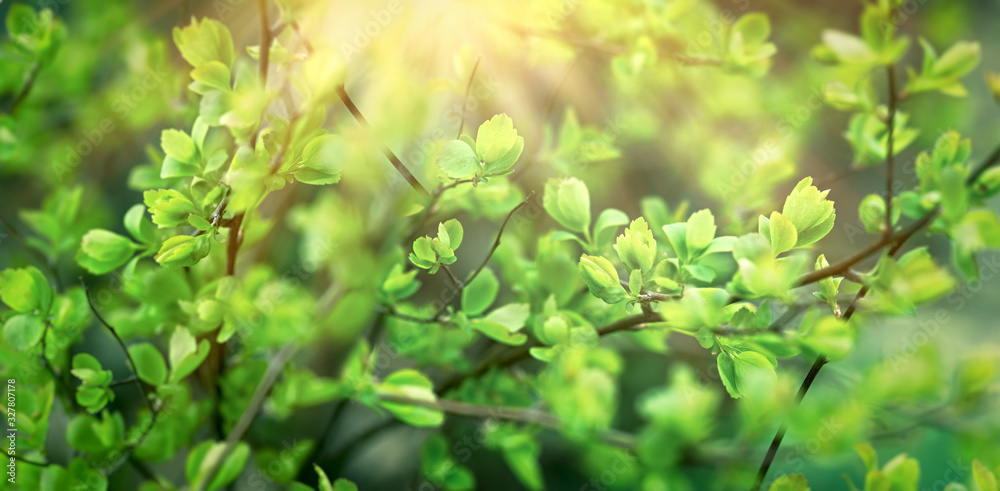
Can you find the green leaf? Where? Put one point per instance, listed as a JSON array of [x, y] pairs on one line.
[[149, 364], [506, 161], [607, 223], [868, 456], [700, 232], [982, 476], [498, 332], [779, 231], [178, 145], [790, 482], [214, 74], [496, 138], [183, 250], [23, 331], [205, 41], [959, 60], [636, 247], [830, 336], [848, 48], [521, 453], [413, 385], [25, 289], [601, 278], [169, 208], [512, 316], [871, 212], [102, 251], [568, 202], [321, 160], [185, 354], [753, 27], [479, 294], [206, 454], [810, 212], [138, 225], [452, 229], [727, 372]]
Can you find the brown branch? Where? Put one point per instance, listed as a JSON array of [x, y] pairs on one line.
[[265, 42]]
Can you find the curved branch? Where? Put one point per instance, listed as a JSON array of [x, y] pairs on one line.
[[246, 419], [505, 413], [523, 352]]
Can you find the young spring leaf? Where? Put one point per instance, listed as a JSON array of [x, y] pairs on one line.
[[23, 331], [480, 293], [412, 384], [183, 250], [810, 212], [25, 289], [203, 41], [496, 138], [568, 202], [102, 251], [457, 160], [149, 364], [601, 278]]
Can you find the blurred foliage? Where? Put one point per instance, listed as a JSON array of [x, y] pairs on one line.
[[500, 245]]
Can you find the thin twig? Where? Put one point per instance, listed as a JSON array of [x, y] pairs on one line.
[[246, 419], [398, 164], [28, 84], [465, 100], [429, 209], [128, 356], [505, 413], [265, 42], [891, 124], [486, 260], [523, 352]]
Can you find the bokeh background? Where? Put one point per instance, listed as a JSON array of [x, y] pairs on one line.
[[656, 127]]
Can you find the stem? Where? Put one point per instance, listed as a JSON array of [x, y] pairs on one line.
[[28, 84], [505, 413], [246, 419], [128, 356], [496, 243], [360, 118], [897, 241], [265, 42], [523, 352], [429, 209], [153, 409], [465, 100], [891, 69]]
